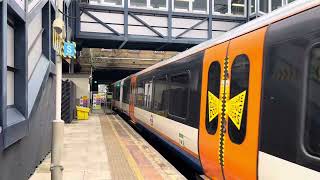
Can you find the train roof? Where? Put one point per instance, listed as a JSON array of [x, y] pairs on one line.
[[281, 13]]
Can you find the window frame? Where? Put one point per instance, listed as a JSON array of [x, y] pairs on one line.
[[255, 7], [271, 2], [102, 3], [10, 68], [258, 7], [283, 3], [305, 122], [172, 116], [148, 6], [190, 8], [229, 12], [14, 118]]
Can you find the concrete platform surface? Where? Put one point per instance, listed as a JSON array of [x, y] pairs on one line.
[[105, 147]]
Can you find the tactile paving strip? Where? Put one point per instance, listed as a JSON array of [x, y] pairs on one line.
[[119, 166], [149, 162]]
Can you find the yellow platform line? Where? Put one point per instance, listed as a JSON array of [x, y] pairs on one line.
[[132, 163]]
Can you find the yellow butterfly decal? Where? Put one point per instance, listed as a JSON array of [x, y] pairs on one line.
[[214, 106], [234, 107]]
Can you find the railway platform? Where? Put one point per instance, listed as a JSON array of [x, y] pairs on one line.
[[106, 147]]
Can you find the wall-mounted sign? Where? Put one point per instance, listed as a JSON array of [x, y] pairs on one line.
[[69, 49]]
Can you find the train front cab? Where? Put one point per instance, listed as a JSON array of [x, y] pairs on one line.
[[260, 103]]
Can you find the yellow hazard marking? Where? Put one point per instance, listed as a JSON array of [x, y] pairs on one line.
[[235, 108], [214, 106]]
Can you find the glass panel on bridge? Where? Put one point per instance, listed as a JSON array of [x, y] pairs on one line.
[[94, 1], [221, 6], [253, 7], [275, 4], [138, 3], [263, 6], [181, 5], [112, 2], [200, 5], [237, 7], [158, 4]]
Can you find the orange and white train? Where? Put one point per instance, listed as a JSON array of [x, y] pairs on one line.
[[245, 105]]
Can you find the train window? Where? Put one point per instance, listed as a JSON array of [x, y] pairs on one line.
[[147, 94], [160, 99], [126, 91], [113, 91], [179, 95], [213, 94], [139, 94], [237, 105], [313, 103], [117, 91]]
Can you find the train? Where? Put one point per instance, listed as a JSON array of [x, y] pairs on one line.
[[243, 106]]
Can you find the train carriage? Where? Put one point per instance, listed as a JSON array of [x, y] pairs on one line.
[[243, 106]]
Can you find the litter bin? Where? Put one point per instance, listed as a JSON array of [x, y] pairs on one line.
[[82, 113]]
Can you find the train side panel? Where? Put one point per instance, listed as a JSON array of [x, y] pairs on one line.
[[170, 130], [290, 123], [167, 102]]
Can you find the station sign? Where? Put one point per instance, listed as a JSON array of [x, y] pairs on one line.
[[69, 50]]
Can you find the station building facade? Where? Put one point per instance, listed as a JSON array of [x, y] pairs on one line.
[[27, 87]]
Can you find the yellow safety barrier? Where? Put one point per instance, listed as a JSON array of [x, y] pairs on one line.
[[82, 113]]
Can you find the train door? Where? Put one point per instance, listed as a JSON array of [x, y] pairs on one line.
[[229, 125], [132, 98], [210, 123], [243, 92]]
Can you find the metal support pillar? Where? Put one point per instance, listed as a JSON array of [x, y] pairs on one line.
[[210, 20], [57, 124], [170, 20]]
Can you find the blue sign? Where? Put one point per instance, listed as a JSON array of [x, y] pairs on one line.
[[69, 49]]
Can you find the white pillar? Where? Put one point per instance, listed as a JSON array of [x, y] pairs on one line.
[[57, 124]]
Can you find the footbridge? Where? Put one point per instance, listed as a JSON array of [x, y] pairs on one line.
[[159, 25]]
